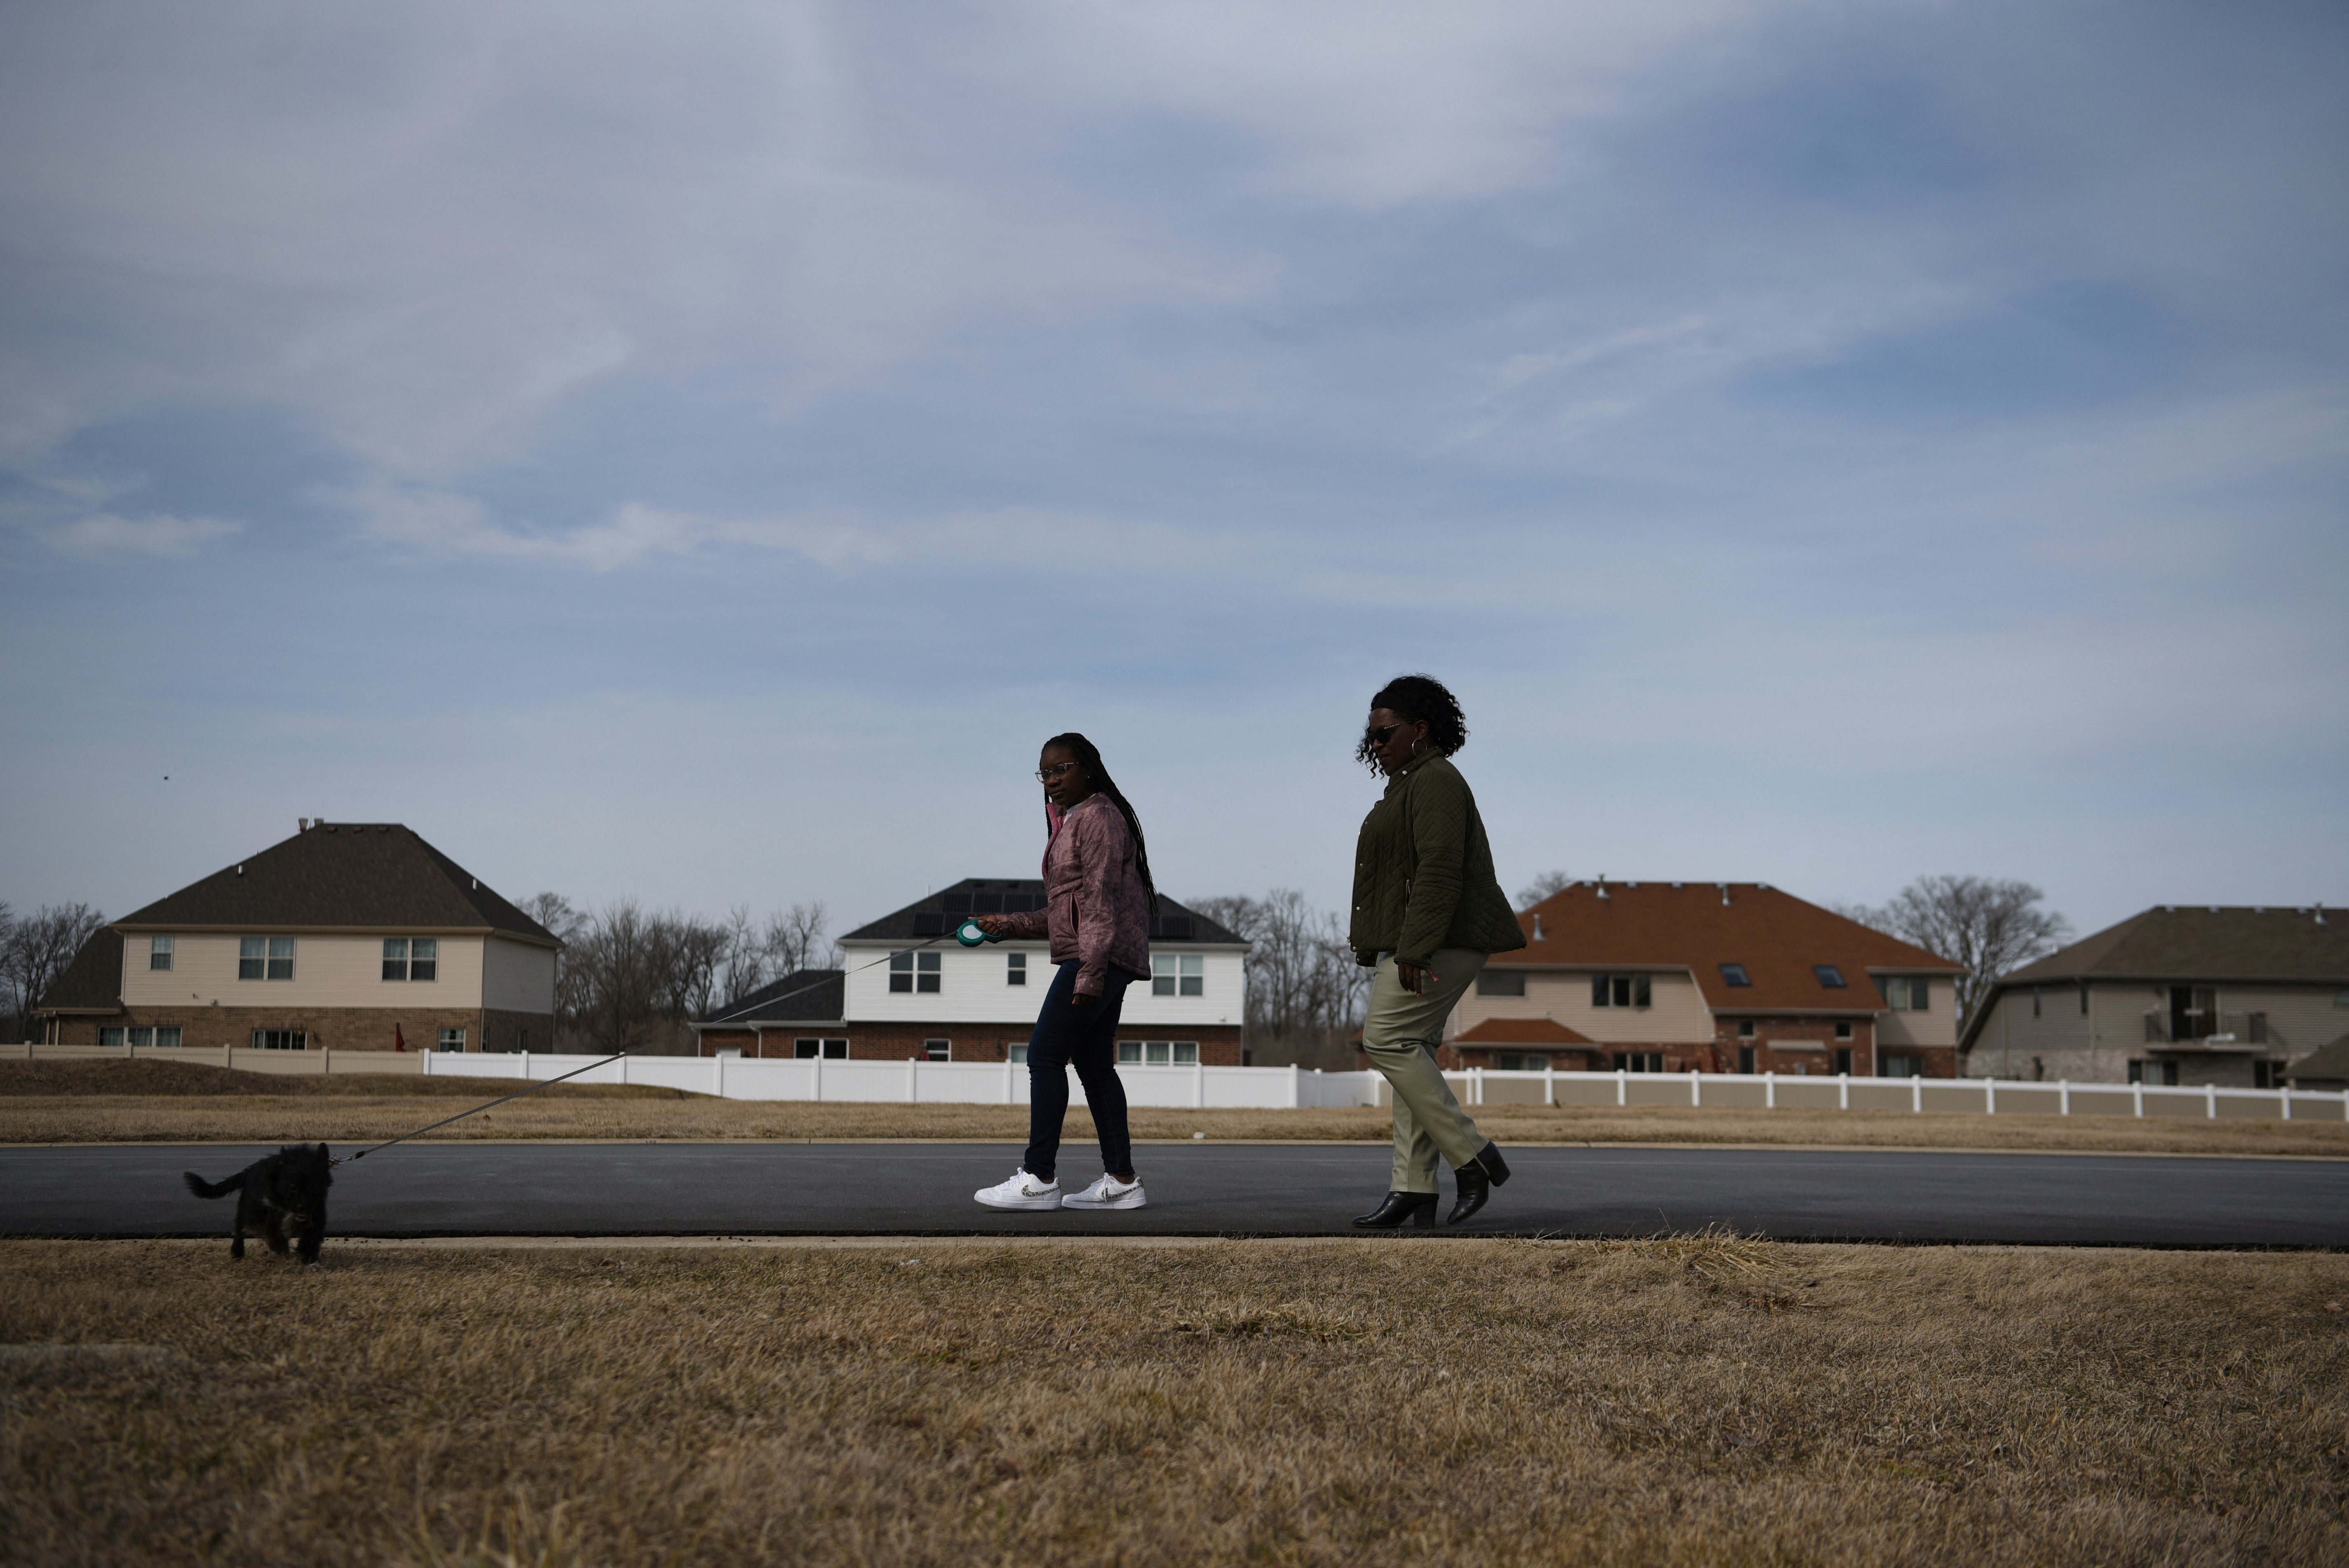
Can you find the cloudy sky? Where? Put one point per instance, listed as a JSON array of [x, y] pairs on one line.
[[698, 451]]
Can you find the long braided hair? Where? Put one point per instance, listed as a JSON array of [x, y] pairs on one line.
[[1088, 757]]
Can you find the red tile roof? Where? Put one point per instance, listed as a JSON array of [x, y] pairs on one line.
[[1700, 926], [1520, 1032]]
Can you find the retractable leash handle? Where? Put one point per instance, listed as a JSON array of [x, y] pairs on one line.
[[970, 933]]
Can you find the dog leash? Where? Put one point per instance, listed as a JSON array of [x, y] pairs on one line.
[[616, 1056]]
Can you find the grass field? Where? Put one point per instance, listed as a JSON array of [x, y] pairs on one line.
[[1702, 1400], [147, 1101]]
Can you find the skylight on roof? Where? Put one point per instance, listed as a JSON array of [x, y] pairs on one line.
[[1735, 975], [1829, 975]]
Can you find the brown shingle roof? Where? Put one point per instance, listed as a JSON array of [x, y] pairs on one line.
[[1521, 1032], [2178, 943], [92, 983], [341, 876], [2324, 1062], [1776, 937]]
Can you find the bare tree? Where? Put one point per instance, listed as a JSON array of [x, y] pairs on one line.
[[796, 938], [1543, 886], [1990, 926], [554, 912], [35, 952], [1305, 991]]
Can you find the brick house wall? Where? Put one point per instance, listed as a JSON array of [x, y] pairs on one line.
[[329, 1028], [1219, 1045]]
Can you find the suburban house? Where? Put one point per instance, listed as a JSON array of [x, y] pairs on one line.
[[904, 992], [348, 935], [1711, 976], [2176, 995]]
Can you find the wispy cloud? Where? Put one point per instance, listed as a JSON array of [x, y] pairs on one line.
[[108, 534]]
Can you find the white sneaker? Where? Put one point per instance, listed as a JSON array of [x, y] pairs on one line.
[[1022, 1191], [1108, 1193]]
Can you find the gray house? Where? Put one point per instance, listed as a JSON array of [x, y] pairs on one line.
[[2176, 995]]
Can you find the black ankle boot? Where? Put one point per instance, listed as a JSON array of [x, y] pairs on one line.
[[1475, 1186], [1398, 1210], [1489, 1157]]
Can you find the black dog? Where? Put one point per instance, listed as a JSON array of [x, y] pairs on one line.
[[284, 1196]]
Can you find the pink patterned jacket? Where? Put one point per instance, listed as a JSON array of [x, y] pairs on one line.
[[1095, 909]]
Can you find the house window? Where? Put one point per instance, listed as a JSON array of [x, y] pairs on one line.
[[110, 1039], [167, 1038], [1015, 969], [1745, 1029], [913, 972], [281, 1040], [264, 958], [938, 1050], [1177, 974], [142, 1036], [452, 1039], [1899, 1065], [159, 953], [2160, 1074], [1158, 1053], [1504, 985], [1843, 1031], [406, 959], [2267, 1075], [1908, 993], [1829, 975], [1639, 1061], [808, 1050], [1843, 1062], [1017, 1055], [1521, 1062], [1735, 975], [521, 1040], [1619, 990]]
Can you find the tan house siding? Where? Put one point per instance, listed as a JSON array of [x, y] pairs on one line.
[[2099, 1046], [1934, 1028], [1676, 1014], [328, 971], [517, 976]]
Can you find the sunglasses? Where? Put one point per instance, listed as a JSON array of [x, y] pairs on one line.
[[1379, 736]]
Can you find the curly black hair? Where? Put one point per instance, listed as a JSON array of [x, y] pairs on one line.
[[1417, 698]]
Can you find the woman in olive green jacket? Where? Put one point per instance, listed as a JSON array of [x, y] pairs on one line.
[[1427, 913]]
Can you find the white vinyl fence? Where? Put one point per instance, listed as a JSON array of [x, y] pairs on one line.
[[1205, 1088]]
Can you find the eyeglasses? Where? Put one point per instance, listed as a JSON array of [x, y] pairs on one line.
[[1052, 775], [1378, 736]]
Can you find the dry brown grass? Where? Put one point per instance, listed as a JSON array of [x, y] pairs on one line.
[[181, 1102], [1694, 1400]]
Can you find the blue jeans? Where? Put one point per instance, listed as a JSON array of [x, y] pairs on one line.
[[1084, 1038]]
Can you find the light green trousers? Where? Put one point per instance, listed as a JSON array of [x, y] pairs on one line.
[[1399, 1035]]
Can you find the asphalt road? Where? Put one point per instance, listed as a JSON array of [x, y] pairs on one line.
[[790, 1188]]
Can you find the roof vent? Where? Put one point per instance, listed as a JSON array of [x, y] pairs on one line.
[[1724, 894], [240, 871], [301, 824], [2320, 914], [1601, 884], [1631, 885], [477, 884], [1538, 930], [1677, 885]]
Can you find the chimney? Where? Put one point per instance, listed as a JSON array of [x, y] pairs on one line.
[[301, 824]]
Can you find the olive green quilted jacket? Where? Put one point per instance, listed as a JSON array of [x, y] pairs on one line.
[[1423, 870]]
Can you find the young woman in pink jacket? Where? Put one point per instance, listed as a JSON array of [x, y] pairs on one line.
[[1098, 900]]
